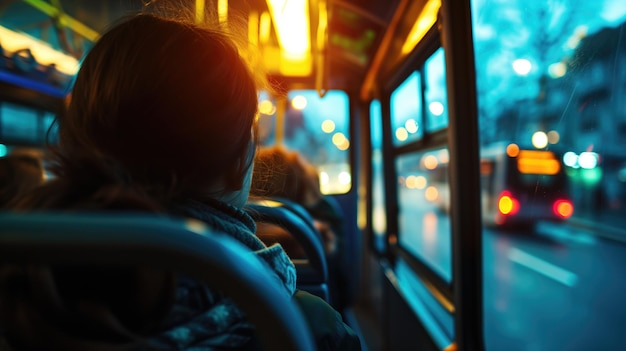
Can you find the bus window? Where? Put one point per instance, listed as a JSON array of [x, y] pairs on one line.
[[19, 123], [379, 216], [318, 128], [406, 111], [424, 204], [436, 95], [550, 80]]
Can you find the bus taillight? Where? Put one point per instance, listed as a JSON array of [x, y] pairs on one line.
[[507, 204], [563, 208]]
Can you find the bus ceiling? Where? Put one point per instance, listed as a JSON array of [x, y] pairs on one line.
[[320, 44]]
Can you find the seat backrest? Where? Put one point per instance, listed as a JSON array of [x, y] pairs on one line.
[[313, 274], [183, 246]]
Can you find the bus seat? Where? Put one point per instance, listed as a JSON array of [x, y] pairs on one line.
[[183, 246], [312, 272]]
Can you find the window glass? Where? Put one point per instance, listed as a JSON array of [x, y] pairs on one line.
[[50, 128], [19, 123], [423, 208], [436, 95], [379, 216], [406, 111], [318, 128], [551, 77]]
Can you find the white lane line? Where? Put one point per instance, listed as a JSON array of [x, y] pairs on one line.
[[538, 265]]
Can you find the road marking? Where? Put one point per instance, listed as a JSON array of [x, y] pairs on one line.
[[563, 232], [538, 265]]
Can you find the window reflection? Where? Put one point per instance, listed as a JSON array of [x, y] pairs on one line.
[[379, 216], [406, 111], [436, 95], [424, 206]]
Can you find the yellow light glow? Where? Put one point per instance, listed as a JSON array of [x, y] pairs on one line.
[[537, 162], [299, 102], [266, 107], [344, 146], [411, 182], [65, 20], [338, 139], [505, 205], [264, 27], [538, 166], [253, 30], [328, 126], [539, 140], [430, 162], [426, 19], [420, 182], [324, 178], [402, 134], [322, 25], [222, 10], [291, 21], [200, 11], [542, 155], [411, 126], [431, 194], [43, 53]]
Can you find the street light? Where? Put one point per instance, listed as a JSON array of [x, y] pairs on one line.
[[522, 67]]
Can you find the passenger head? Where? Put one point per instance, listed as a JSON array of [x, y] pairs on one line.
[[19, 174], [172, 103], [282, 173]]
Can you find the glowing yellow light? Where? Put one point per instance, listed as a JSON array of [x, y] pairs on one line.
[[222, 10], [538, 166], [328, 126], [338, 139], [431, 194], [505, 205], [402, 134], [42, 52], [426, 19], [264, 27], [266, 107], [540, 140], [553, 137], [420, 182], [253, 30], [65, 20], [344, 178], [299, 102], [200, 11], [411, 182], [538, 162], [344, 146], [411, 126], [291, 21], [324, 178], [512, 150], [430, 162]]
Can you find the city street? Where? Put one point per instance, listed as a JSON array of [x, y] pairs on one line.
[[556, 287]]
